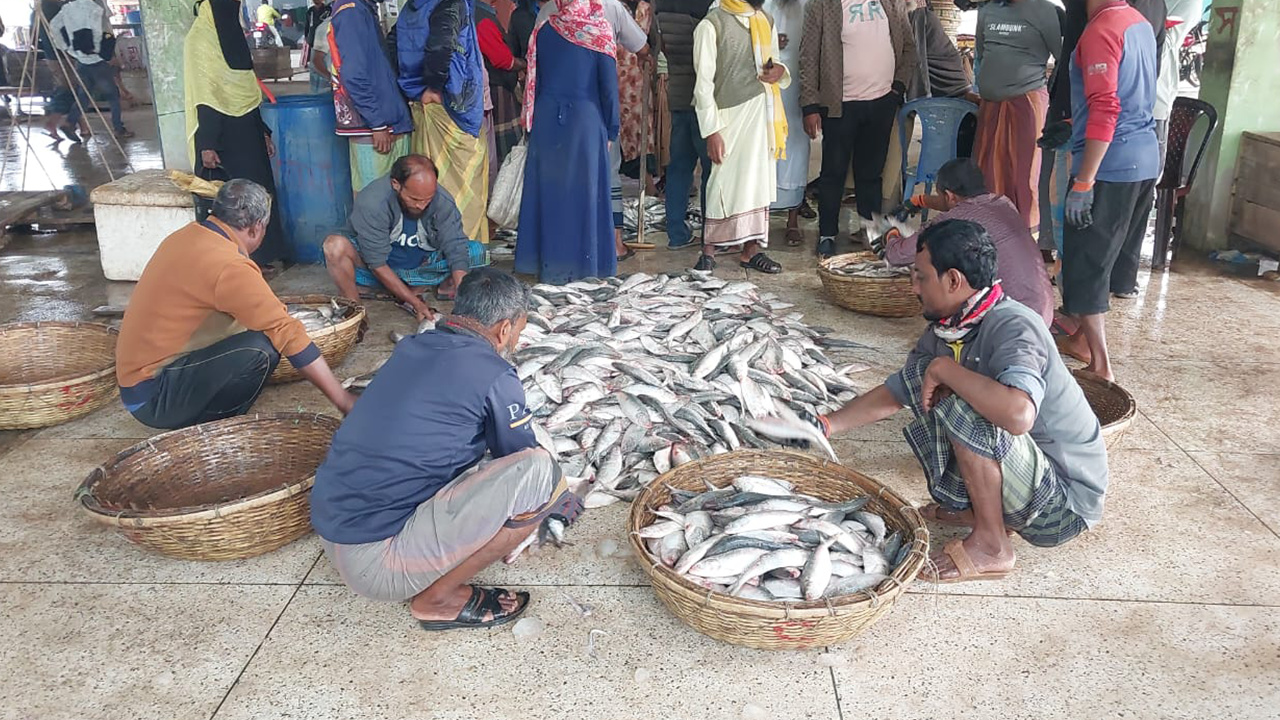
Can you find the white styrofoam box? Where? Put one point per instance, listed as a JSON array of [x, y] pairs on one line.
[[133, 215]]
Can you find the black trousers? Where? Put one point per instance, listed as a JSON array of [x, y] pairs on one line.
[[861, 133], [1109, 248], [220, 381]]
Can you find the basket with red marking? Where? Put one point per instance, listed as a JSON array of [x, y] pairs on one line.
[[779, 625], [52, 372]]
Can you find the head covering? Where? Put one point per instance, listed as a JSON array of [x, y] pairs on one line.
[[581, 22], [214, 73], [762, 46]]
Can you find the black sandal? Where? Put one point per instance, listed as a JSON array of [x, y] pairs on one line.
[[761, 262], [627, 255], [706, 263], [806, 211], [482, 601]]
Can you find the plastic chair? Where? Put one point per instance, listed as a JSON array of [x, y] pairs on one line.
[[940, 120], [1173, 188]]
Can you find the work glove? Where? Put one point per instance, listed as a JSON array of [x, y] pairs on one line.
[[1079, 208], [1055, 135], [903, 212], [818, 421], [567, 507]]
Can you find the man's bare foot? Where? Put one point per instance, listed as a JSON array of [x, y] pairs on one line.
[[935, 513], [1104, 373], [987, 561], [1075, 346], [447, 608]]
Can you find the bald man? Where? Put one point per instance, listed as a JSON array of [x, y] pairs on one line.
[[404, 231]]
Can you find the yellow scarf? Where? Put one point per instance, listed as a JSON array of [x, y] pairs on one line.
[[762, 44], [208, 81]]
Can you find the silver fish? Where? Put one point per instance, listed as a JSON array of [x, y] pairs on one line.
[[817, 572]]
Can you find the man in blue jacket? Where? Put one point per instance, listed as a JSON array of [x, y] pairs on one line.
[[403, 505], [1115, 157], [371, 112]]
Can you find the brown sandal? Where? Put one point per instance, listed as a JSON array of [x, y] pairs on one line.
[[954, 549], [794, 237], [930, 513]]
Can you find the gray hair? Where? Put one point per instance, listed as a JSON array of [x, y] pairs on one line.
[[490, 296], [242, 204]]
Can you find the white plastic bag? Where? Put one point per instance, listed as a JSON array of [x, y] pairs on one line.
[[504, 201]]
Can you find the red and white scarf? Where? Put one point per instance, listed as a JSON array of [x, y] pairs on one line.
[[581, 22], [956, 327]]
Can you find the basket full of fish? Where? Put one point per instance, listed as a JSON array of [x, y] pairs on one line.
[[333, 323], [864, 283], [776, 549]]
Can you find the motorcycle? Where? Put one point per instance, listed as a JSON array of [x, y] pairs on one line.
[[262, 37], [1191, 54]]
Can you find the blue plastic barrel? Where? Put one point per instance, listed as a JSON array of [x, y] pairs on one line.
[[312, 169]]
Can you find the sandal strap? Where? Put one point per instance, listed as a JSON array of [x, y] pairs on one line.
[[964, 565], [473, 611]]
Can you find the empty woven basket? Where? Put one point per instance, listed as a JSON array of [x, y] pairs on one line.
[[223, 490], [1114, 406], [52, 372]]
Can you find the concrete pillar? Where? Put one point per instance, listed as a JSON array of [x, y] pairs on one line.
[[165, 24], [1239, 78]]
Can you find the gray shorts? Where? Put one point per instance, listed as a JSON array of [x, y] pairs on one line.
[[447, 529]]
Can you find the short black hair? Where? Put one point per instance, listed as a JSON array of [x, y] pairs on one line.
[[961, 176], [961, 245], [407, 166]]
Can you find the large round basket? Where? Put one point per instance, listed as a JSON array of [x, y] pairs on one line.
[[886, 297], [52, 372], [1113, 405], [223, 490], [778, 625], [334, 341]]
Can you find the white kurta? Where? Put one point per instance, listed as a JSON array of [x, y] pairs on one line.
[[793, 171], [746, 181]]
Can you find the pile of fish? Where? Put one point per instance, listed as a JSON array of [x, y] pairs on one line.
[[868, 269], [319, 317], [759, 539], [629, 378]]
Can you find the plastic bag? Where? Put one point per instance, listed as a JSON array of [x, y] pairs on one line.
[[504, 201]]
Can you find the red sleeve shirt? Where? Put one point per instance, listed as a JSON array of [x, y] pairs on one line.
[[493, 46]]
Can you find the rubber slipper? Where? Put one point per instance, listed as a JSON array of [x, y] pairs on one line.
[[761, 262], [794, 237], [689, 243], [706, 263], [446, 294], [1062, 341], [628, 254], [482, 601], [954, 549], [806, 211]]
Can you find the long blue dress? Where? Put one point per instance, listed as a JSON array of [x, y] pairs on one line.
[[566, 221]]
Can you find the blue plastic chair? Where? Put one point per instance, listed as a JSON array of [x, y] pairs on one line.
[[940, 120]]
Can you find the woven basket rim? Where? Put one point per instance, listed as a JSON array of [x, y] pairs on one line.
[[155, 518], [771, 610], [60, 380], [860, 255], [318, 299], [1130, 404]]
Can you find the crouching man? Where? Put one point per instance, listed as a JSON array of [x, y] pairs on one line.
[[404, 231], [402, 503], [203, 330], [1002, 430]]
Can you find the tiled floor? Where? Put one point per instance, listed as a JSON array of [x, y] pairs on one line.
[[1169, 609]]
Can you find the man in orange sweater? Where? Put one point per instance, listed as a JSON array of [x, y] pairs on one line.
[[203, 330]]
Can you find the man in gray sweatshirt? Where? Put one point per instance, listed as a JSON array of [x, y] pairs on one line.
[[404, 231]]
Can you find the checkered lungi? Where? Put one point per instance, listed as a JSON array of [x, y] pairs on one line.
[[1034, 498]]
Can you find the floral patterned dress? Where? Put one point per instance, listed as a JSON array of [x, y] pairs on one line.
[[630, 80]]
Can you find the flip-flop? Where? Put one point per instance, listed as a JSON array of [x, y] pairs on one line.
[[628, 254], [446, 294], [806, 211], [482, 600], [794, 237], [954, 549], [1062, 341], [763, 263]]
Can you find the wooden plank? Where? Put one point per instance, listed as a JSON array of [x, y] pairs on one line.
[[19, 207], [1261, 225]]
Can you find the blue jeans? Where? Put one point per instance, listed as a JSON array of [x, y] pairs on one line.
[[100, 79], [688, 148]]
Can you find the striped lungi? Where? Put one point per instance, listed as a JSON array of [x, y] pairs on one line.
[[1034, 497], [1006, 150], [368, 164], [462, 164]]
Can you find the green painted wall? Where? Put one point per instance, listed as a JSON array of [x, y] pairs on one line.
[[165, 24], [1241, 79]]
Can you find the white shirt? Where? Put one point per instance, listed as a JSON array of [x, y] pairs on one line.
[[74, 16], [1167, 83]]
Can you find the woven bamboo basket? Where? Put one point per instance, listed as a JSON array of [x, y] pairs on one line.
[[224, 490], [886, 297], [779, 625], [52, 372], [1113, 405], [334, 341]]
